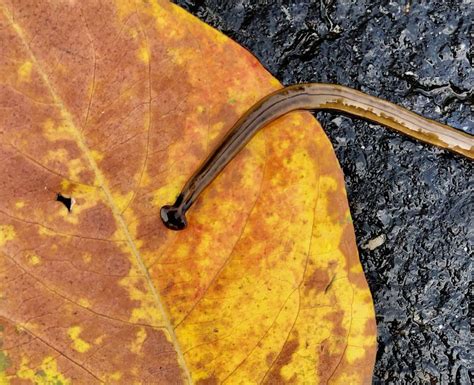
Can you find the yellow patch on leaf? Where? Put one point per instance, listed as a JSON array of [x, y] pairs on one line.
[[24, 71], [45, 374], [34, 259], [7, 233], [78, 343]]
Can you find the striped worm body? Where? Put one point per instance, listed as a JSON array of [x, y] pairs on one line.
[[311, 96]]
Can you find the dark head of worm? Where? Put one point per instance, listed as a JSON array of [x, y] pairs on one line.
[[173, 216]]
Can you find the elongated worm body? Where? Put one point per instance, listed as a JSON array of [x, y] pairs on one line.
[[311, 96]]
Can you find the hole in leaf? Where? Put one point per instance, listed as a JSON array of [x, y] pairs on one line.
[[66, 201]]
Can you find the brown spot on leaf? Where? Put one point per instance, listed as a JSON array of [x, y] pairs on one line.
[[208, 381], [274, 375], [318, 280], [269, 358], [370, 328], [356, 278]]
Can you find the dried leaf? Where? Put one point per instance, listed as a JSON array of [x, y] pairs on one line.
[[115, 105]]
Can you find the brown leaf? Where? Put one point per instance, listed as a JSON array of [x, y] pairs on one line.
[[115, 104]]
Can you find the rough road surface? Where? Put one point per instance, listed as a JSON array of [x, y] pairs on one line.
[[417, 199]]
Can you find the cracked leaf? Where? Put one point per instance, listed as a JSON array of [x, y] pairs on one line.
[[115, 104]]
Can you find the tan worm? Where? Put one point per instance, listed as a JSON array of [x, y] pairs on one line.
[[311, 96]]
